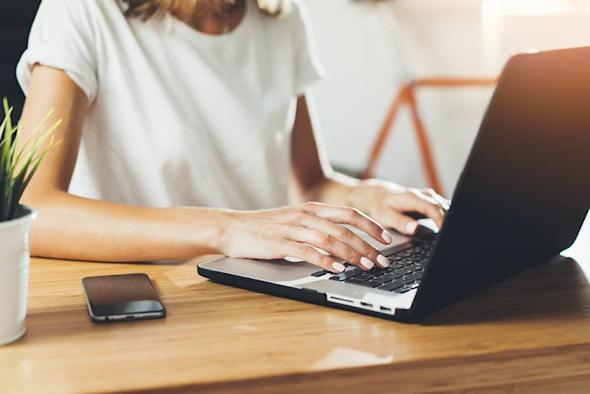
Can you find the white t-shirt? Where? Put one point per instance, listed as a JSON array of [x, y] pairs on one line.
[[177, 117]]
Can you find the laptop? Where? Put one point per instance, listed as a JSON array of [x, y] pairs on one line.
[[521, 199]]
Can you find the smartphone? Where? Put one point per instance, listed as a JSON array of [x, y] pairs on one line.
[[121, 298]]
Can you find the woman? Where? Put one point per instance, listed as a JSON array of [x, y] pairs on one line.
[[185, 132]]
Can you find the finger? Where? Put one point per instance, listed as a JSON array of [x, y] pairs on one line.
[[431, 197], [402, 223], [346, 236], [445, 203], [351, 216], [329, 243], [309, 254], [411, 202], [424, 195]]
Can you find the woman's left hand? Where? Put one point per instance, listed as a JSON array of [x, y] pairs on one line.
[[389, 204]]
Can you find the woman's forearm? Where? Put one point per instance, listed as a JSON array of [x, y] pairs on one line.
[[314, 176], [334, 189], [78, 228], [83, 229]]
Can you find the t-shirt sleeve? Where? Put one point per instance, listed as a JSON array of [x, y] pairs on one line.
[[308, 66], [62, 37]]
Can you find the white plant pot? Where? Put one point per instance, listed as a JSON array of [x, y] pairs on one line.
[[14, 275]]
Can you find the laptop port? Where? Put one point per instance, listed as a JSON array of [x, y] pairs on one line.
[[340, 299]]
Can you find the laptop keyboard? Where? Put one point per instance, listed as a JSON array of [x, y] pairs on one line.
[[407, 263]]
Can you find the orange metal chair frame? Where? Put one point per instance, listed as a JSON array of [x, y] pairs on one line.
[[407, 96]]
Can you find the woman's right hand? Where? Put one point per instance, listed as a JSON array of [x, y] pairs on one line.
[[298, 231]]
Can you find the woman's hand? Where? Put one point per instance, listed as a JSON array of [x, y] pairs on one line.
[[389, 204], [300, 231]]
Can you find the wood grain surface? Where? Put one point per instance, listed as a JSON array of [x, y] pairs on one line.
[[529, 334]]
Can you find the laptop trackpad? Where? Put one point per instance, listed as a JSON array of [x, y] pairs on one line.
[[268, 271]]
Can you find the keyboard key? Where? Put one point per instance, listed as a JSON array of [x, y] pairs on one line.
[[363, 283], [320, 273], [389, 276], [414, 276], [391, 286], [416, 270], [382, 279], [346, 274], [375, 272]]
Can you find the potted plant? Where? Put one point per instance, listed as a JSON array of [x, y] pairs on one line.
[[18, 164]]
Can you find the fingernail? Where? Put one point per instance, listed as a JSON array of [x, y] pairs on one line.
[[411, 227], [368, 264], [387, 237], [338, 267], [383, 261]]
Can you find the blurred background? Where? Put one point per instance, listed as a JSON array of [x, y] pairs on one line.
[[16, 17], [372, 48]]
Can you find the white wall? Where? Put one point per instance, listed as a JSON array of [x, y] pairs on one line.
[[440, 37]]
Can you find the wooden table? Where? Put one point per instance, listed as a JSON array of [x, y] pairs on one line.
[[532, 332]]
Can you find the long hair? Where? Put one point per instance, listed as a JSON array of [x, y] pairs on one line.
[[147, 9]]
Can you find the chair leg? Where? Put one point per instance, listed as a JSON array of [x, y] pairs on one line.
[[450, 82], [407, 95], [385, 131], [424, 145]]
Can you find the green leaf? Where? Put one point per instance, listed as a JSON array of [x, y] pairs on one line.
[[17, 167]]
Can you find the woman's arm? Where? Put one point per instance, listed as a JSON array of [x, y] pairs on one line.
[[73, 227], [384, 201], [79, 228]]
